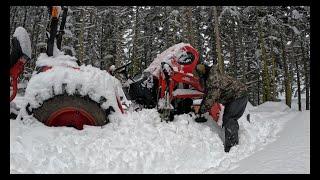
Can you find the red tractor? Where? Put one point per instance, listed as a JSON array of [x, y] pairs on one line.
[[58, 97], [60, 91], [169, 83]]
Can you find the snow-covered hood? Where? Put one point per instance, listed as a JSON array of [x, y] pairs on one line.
[[166, 56]]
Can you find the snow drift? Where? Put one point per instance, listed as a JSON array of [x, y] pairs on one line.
[[270, 106], [137, 142]]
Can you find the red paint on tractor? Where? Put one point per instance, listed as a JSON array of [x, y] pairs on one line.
[[70, 116], [15, 72]]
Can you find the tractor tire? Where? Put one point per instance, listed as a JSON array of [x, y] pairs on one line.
[[64, 101]]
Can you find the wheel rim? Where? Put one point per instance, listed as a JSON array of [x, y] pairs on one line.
[[70, 116]]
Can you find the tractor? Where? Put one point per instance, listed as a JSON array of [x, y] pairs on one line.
[[169, 83], [63, 93]]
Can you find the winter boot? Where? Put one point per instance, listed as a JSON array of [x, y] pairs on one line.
[[231, 135]]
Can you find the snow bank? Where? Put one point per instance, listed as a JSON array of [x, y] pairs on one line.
[[166, 56], [59, 60], [22, 35], [270, 106], [137, 142], [290, 153], [249, 106]]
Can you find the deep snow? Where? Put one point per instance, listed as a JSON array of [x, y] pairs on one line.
[[138, 142], [290, 153]]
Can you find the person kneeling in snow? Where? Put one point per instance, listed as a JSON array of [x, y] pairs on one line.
[[232, 94]]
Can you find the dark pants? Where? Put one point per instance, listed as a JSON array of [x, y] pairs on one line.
[[232, 112]]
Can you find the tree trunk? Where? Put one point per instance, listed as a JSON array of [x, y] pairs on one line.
[[273, 74], [25, 17], [265, 73], [306, 75], [287, 82], [298, 84], [118, 37], [101, 38], [36, 21], [189, 26], [242, 55], [135, 61], [198, 38], [13, 17], [81, 38], [258, 92], [233, 50], [218, 40]]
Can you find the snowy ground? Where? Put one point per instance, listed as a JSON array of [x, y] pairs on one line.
[[290, 153], [276, 141]]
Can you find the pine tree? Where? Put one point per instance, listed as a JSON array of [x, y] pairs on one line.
[[218, 40]]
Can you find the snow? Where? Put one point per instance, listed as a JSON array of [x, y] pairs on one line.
[[231, 9], [273, 38], [166, 56], [185, 91], [289, 154], [295, 30], [148, 83], [270, 19], [86, 80], [138, 142], [175, 13], [112, 68], [13, 108], [59, 60], [276, 140], [197, 101], [296, 14], [22, 35], [271, 107], [167, 68]]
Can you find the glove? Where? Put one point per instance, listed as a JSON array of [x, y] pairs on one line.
[[216, 113]]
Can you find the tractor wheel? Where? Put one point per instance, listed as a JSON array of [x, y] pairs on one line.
[[72, 111]]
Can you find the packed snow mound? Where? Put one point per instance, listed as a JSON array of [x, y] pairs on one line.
[[85, 80], [270, 106], [59, 60], [137, 142], [22, 36], [249, 106], [174, 51]]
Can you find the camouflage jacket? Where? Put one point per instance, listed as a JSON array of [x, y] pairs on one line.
[[221, 88]]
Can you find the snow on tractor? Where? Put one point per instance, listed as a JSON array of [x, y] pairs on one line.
[[169, 83], [63, 93], [60, 92]]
